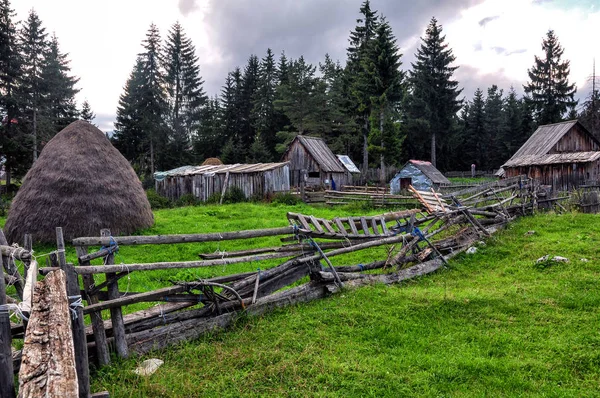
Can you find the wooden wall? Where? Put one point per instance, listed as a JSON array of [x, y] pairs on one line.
[[561, 177], [576, 140], [300, 159], [203, 186]]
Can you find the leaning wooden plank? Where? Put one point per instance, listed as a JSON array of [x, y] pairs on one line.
[[328, 227], [352, 222], [188, 238], [365, 226], [136, 298], [7, 380], [317, 224], [102, 269], [48, 359], [340, 226]]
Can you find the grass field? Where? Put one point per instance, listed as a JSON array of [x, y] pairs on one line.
[[493, 324]]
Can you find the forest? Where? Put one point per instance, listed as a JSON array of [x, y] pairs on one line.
[[371, 106]]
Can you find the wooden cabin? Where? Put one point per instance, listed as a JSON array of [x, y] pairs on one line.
[[563, 155], [420, 174], [255, 180], [322, 167]]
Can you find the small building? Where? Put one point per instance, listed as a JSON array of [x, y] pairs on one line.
[[420, 174], [312, 155], [563, 155], [255, 180]]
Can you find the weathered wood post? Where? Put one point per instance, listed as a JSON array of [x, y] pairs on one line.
[[48, 363], [79, 340], [116, 315], [11, 268], [7, 382], [102, 353], [302, 182]]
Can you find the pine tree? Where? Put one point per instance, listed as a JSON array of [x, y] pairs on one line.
[[433, 103], [515, 136], [263, 111], [185, 95], [233, 121], [360, 85], [33, 45], [590, 112], [549, 91], [210, 139], [86, 112], [60, 108], [495, 146], [475, 134], [12, 148], [250, 81], [383, 66]]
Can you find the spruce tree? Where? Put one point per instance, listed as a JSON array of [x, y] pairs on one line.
[[475, 134], [434, 102], [515, 136], [250, 81], [263, 110], [12, 139], [210, 139], [549, 91], [33, 45], [233, 120], [590, 112], [86, 112], [494, 145], [383, 66], [60, 107], [185, 95], [360, 85]]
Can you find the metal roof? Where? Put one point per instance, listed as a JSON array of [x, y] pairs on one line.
[[237, 168], [320, 152], [348, 163], [430, 171], [556, 158]]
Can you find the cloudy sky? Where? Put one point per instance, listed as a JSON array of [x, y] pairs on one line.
[[494, 40]]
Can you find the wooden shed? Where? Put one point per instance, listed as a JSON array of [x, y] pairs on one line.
[[563, 155], [420, 174], [255, 180], [314, 156]]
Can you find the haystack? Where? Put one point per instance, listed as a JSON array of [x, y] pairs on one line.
[[212, 162], [81, 183]]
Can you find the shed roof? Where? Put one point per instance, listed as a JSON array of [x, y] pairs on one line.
[[320, 152], [237, 168], [556, 158], [429, 170], [544, 138], [348, 163]]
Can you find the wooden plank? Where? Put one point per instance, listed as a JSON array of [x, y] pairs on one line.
[[317, 225], [328, 227], [7, 380], [135, 298], [48, 357], [184, 238], [340, 226], [116, 315], [352, 224], [384, 226], [102, 354], [365, 226], [79, 341], [421, 199], [375, 227], [304, 222]]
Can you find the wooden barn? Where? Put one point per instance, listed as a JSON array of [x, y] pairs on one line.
[[323, 168], [420, 174], [255, 180], [563, 155]]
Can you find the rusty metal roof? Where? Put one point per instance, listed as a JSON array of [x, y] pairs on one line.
[[237, 168], [320, 152], [556, 158]]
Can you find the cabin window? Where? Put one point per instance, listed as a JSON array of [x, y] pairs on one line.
[[314, 174]]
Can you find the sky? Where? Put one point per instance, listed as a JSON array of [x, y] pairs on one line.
[[494, 41]]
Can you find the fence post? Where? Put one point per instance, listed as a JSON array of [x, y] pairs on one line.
[[79, 341], [116, 315], [102, 352], [11, 268], [7, 381]]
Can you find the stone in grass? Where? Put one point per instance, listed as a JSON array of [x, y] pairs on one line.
[[560, 259], [542, 259], [529, 233], [148, 367], [472, 250], [584, 260]]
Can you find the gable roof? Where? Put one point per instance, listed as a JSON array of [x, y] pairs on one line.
[[544, 138], [320, 152], [555, 158], [237, 168], [348, 163], [429, 170]]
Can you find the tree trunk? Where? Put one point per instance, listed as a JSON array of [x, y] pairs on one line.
[[152, 157], [35, 156], [365, 147], [433, 159], [382, 157]]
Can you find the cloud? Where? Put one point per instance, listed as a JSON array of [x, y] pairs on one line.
[[187, 6], [487, 20]]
